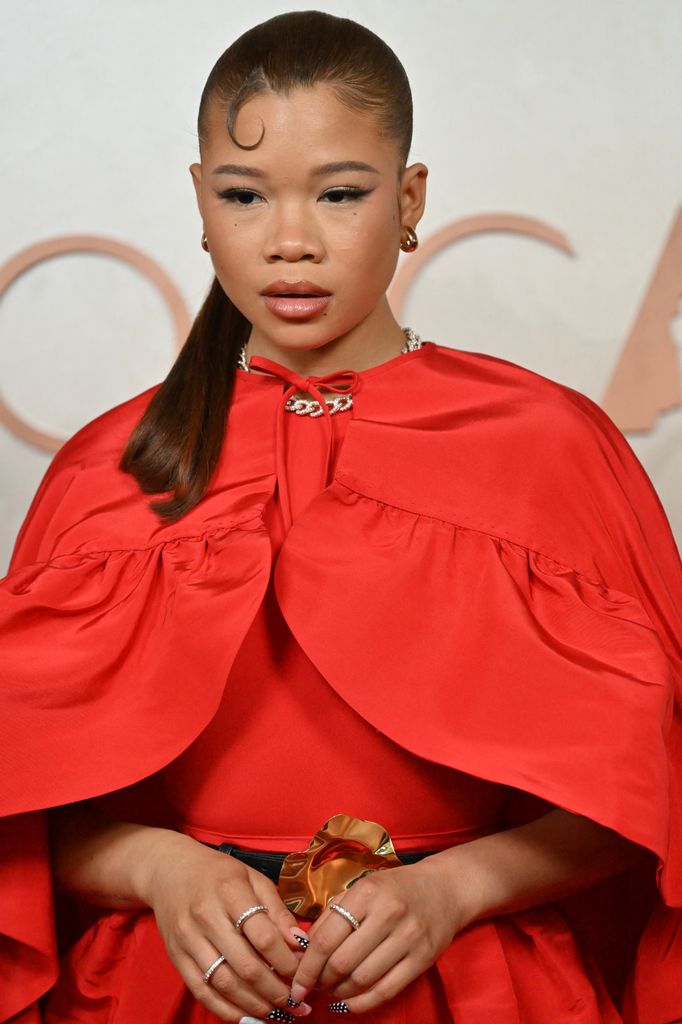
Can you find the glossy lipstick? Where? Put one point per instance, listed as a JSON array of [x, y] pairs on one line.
[[295, 300]]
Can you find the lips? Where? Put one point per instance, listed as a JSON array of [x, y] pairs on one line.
[[295, 300], [287, 289]]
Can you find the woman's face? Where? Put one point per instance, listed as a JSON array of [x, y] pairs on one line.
[[318, 201]]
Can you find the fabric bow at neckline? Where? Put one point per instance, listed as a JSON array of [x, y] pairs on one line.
[[335, 382]]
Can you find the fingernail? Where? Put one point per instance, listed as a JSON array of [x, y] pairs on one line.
[[251, 1020], [339, 1007], [298, 992], [300, 937], [303, 1008], [278, 1014]]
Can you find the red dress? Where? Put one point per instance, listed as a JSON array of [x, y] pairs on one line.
[[342, 608]]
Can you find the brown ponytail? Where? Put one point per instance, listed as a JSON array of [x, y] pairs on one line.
[[176, 444]]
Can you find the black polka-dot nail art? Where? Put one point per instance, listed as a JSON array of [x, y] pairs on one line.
[[292, 1002], [278, 1014], [340, 1007], [302, 941]]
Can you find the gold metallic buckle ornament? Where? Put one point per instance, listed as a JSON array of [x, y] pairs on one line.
[[342, 852]]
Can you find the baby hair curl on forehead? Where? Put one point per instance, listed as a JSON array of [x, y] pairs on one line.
[[304, 49]]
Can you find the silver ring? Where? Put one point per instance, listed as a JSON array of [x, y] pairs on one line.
[[249, 913], [345, 913], [214, 967]]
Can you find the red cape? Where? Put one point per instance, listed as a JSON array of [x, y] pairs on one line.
[[498, 553]]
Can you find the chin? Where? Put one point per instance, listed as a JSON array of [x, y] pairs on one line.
[[295, 341]]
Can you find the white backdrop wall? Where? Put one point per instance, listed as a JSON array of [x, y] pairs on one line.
[[568, 113]]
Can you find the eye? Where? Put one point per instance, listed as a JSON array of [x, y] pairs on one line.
[[338, 195], [240, 196]]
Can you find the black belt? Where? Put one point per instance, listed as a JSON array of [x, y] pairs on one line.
[[270, 864]]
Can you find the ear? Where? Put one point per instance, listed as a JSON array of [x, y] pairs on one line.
[[413, 194], [195, 171]]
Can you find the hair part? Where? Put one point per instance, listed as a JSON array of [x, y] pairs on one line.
[[176, 444]]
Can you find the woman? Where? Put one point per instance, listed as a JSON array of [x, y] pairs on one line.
[[441, 598]]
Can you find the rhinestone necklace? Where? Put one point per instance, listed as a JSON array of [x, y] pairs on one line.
[[310, 406]]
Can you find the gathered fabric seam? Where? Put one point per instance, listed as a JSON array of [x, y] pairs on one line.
[[257, 519], [84, 553], [580, 573]]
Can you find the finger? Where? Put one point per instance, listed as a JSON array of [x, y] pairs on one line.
[[385, 989], [272, 945], [332, 936], [233, 988], [247, 979], [250, 976], [268, 933], [374, 943], [280, 915], [205, 993], [367, 972], [258, 931]]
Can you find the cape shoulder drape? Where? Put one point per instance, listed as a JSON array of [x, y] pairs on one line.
[[496, 551]]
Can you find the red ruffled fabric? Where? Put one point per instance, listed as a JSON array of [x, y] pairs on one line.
[[525, 969], [489, 546]]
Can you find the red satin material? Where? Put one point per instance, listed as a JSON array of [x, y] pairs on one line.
[[488, 584], [283, 725], [311, 385]]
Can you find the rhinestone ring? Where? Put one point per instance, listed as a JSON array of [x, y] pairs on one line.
[[214, 967], [345, 913], [249, 913]]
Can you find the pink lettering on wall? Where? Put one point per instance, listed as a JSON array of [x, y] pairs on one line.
[[646, 380], [59, 246], [457, 230]]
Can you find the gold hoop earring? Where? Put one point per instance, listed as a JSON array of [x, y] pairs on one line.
[[204, 242], [410, 241]]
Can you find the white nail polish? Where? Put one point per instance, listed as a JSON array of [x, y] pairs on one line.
[[251, 1020]]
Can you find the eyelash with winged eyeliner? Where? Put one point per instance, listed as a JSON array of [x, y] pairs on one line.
[[231, 194]]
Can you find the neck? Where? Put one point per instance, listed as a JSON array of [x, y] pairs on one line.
[[372, 342]]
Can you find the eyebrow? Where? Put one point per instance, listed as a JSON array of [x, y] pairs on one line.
[[331, 168]]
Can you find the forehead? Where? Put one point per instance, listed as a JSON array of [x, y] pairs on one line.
[[310, 117]]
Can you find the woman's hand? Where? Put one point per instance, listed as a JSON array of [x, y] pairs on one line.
[[196, 895], [408, 916]]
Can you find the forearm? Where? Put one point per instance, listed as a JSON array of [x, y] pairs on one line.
[[106, 862], [549, 858]]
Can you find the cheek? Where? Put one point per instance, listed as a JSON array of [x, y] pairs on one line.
[[371, 239], [234, 249], [233, 274], [373, 253]]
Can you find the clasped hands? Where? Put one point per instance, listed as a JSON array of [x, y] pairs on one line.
[[408, 916]]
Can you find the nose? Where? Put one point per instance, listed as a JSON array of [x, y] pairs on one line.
[[293, 237]]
